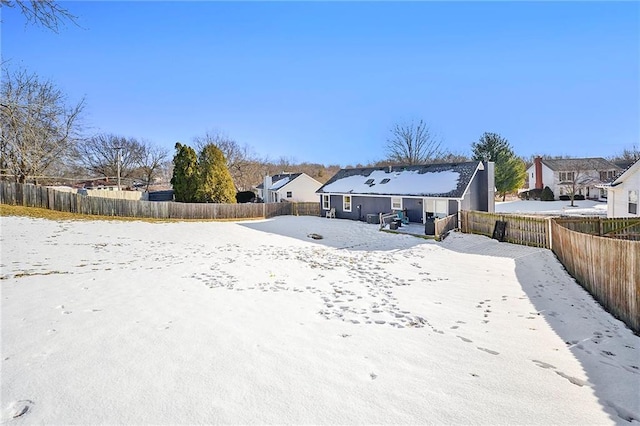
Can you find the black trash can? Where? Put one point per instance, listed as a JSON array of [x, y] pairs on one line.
[[430, 226]]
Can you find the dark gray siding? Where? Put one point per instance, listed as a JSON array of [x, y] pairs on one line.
[[375, 205], [368, 205], [453, 206], [482, 190], [161, 195], [413, 206], [371, 205]]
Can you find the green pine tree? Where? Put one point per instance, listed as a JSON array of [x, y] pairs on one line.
[[185, 174], [509, 176], [215, 181], [510, 171]]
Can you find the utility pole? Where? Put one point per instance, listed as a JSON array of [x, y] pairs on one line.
[[118, 148]]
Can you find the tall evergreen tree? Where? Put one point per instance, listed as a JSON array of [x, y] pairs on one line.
[[510, 171], [215, 182], [491, 147], [185, 174], [509, 176]]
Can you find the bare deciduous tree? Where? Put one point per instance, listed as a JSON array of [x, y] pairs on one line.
[[241, 161], [577, 177], [38, 126], [413, 144], [152, 158], [47, 13], [101, 153]]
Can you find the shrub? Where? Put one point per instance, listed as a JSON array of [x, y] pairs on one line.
[[547, 194], [245, 197], [532, 194], [578, 197], [565, 197]]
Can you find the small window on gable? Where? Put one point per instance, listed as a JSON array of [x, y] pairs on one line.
[[289, 194], [385, 180]]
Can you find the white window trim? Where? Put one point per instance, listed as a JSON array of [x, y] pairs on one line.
[[392, 206], [326, 201], [344, 203]]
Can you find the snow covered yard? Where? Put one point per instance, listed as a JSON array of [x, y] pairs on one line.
[[555, 208], [255, 322]]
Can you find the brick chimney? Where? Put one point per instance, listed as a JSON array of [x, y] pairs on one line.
[[538, 171]]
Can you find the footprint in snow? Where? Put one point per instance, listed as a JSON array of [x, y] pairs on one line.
[[16, 409], [489, 351]]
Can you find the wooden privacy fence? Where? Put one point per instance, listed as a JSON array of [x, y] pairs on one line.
[[608, 268], [620, 228], [525, 230], [445, 225], [38, 196], [597, 252]]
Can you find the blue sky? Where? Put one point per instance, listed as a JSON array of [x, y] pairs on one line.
[[325, 81]]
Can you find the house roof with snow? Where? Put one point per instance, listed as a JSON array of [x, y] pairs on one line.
[[633, 168], [430, 180], [280, 180], [568, 164]]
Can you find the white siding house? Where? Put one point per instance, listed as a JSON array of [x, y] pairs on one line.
[[293, 187], [623, 193], [559, 175]]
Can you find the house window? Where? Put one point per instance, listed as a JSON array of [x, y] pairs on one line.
[[607, 175], [396, 203], [289, 194], [567, 176], [369, 182], [633, 201], [325, 202], [436, 208], [346, 203], [385, 180]]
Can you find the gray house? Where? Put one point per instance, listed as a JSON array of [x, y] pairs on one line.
[[421, 192]]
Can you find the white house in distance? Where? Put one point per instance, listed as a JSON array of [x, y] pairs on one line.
[[294, 187], [558, 174], [624, 191]]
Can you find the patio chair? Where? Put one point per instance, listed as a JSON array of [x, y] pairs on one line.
[[403, 217], [331, 213]]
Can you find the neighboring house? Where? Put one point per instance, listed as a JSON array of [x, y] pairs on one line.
[[585, 176], [421, 192], [623, 193], [295, 187]]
